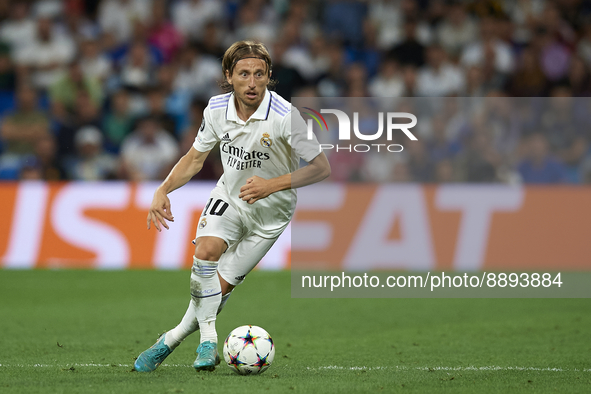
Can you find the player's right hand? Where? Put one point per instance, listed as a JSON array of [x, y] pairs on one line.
[[160, 210]]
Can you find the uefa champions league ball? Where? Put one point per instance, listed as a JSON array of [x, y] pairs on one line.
[[249, 350]]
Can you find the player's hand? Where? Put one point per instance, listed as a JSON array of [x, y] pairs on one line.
[[255, 189], [160, 211]]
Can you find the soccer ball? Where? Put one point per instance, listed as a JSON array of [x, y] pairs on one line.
[[249, 350]]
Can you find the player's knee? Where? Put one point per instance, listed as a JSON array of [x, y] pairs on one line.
[[208, 251]]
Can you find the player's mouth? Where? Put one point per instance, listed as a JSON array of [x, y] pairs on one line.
[[251, 95]]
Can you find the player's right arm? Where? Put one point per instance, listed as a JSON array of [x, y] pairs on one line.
[[189, 165]]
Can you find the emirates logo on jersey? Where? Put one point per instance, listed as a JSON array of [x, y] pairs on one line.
[[266, 141]]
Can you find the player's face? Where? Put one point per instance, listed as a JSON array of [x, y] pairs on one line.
[[249, 80]]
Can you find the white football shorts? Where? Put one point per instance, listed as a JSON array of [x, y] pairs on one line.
[[245, 248]]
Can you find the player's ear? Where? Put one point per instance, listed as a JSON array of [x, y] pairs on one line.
[[228, 77]]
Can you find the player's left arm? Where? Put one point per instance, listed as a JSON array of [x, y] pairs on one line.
[[257, 188]]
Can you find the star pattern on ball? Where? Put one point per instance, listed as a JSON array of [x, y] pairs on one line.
[[261, 362], [249, 339], [235, 362]]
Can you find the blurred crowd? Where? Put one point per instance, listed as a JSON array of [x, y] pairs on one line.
[[115, 89]]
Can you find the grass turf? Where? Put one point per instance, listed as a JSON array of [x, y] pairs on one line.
[[79, 331]]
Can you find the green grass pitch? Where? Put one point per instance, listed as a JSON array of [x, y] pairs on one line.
[[79, 331]]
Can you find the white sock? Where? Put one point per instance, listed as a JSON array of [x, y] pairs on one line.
[[206, 293], [186, 327], [188, 324]]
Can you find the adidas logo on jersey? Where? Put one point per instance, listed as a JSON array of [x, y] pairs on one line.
[[226, 138]]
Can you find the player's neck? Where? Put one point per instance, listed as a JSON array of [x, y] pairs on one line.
[[243, 111]]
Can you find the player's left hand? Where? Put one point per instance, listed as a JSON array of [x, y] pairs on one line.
[[255, 189]]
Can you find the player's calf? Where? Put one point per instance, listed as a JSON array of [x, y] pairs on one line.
[[206, 292]]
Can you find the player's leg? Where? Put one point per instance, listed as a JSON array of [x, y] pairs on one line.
[[189, 324], [153, 357], [217, 228], [206, 294], [241, 258]]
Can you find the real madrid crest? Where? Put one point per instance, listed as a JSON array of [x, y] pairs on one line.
[[203, 222], [266, 141]]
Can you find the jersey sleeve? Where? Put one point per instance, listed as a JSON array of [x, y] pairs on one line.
[[296, 132], [206, 137]]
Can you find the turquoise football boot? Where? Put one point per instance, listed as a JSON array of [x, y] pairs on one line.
[[150, 359], [207, 356]]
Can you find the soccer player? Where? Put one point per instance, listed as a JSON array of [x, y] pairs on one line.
[[262, 138]]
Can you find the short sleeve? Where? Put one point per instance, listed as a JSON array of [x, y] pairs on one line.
[[296, 133], [206, 137]]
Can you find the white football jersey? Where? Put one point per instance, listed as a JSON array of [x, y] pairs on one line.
[[268, 145]]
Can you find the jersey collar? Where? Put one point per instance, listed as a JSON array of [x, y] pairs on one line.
[[262, 112]]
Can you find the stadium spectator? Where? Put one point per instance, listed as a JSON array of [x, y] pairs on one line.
[[554, 55], [289, 79], [197, 73], [148, 153], [389, 81], [45, 57], [439, 146], [210, 43], [529, 79], [489, 51], [578, 78], [94, 63], [64, 91], [310, 62], [47, 159], [387, 17], [378, 166], [333, 83], [444, 172], [71, 20], [90, 163], [343, 21], [439, 77], [19, 29], [478, 162], [118, 121], [157, 109], [7, 73], [191, 16], [356, 80], [255, 21], [26, 125], [539, 166], [456, 30], [30, 170], [85, 113], [117, 16], [369, 55], [138, 69], [475, 83], [420, 166], [409, 52], [162, 33]]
